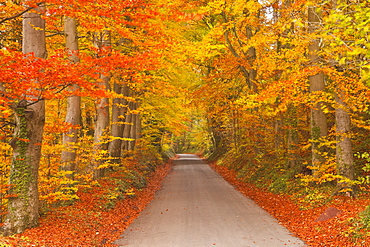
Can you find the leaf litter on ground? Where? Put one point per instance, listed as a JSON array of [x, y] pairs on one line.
[[87, 222]]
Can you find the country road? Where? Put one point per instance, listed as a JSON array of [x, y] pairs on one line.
[[197, 208]]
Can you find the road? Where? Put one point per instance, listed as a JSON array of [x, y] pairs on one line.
[[196, 207]]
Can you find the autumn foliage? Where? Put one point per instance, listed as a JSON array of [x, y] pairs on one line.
[[277, 91], [119, 59], [284, 91]]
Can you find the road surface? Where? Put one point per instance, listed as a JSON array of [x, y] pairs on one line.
[[197, 208]]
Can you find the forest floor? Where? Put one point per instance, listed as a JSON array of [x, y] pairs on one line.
[[94, 220], [89, 223]]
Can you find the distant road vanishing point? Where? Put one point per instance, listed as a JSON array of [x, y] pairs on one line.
[[196, 207]]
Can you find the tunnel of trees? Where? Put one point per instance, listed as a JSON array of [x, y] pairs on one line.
[[276, 90]]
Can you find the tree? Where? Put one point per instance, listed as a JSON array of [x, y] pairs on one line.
[[119, 109], [128, 129], [319, 127], [347, 54], [344, 153], [73, 111], [102, 42], [29, 113]]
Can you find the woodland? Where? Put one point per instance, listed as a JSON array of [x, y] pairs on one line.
[[97, 96]]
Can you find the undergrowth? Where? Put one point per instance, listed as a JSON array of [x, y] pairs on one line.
[[359, 227], [125, 184], [102, 212]]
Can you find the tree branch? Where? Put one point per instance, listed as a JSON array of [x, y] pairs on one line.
[[19, 14]]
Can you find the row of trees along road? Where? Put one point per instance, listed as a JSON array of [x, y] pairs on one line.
[[276, 90], [285, 91], [85, 88]]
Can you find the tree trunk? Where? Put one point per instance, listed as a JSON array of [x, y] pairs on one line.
[[73, 111], [137, 128], [344, 152], [119, 110], [127, 129], [23, 208], [101, 129], [317, 84], [251, 56], [344, 155], [133, 131], [102, 113]]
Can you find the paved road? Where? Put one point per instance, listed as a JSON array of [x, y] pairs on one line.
[[197, 208]]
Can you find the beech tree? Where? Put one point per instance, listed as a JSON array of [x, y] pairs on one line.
[[73, 111], [29, 112], [101, 41], [344, 152], [128, 130], [319, 128], [119, 109], [346, 65]]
